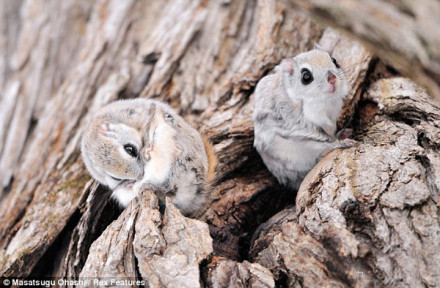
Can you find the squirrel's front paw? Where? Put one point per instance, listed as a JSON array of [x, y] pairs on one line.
[[338, 144], [344, 133], [346, 143], [323, 154], [150, 187]]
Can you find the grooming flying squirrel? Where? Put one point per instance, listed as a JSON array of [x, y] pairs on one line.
[[137, 144], [295, 114]]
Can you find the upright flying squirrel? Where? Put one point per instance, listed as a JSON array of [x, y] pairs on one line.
[[295, 114], [136, 144]]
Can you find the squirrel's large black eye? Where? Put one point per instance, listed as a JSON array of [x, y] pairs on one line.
[[306, 76], [336, 63], [131, 150]]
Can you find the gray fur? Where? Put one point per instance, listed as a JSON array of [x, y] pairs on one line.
[[295, 123], [172, 158]]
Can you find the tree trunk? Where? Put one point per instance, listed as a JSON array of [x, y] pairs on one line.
[[364, 216]]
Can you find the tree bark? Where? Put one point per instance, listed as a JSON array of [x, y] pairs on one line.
[[358, 218]]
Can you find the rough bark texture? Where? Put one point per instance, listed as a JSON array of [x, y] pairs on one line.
[[366, 215], [295, 258], [167, 251], [227, 273]]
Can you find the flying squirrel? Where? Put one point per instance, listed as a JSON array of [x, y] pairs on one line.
[[137, 144], [295, 114]]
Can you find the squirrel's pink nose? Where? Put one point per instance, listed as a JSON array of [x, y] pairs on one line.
[[331, 78]]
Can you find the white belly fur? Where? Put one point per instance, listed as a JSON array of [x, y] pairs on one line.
[[299, 154]]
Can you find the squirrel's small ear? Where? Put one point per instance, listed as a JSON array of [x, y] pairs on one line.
[[106, 129], [317, 47], [168, 117], [286, 66]]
